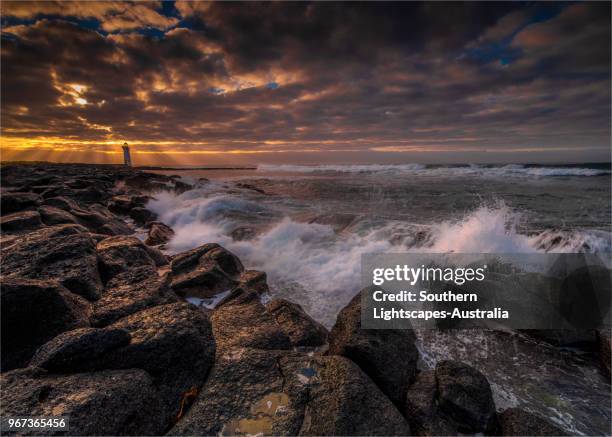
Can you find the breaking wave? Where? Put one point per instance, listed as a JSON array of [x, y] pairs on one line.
[[327, 263], [510, 170]]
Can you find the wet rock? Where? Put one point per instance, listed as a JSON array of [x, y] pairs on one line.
[[121, 253], [287, 393], [518, 422], [14, 202], [99, 219], [604, 348], [388, 356], [243, 321], [122, 204], [142, 215], [464, 395], [20, 221], [174, 344], [342, 400], [129, 292], [65, 253], [62, 203], [159, 233], [421, 407], [51, 215], [33, 312], [243, 233], [118, 402], [79, 350], [254, 280], [302, 330], [205, 271]]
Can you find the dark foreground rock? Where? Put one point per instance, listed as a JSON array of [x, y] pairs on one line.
[[517, 422], [287, 393], [302, 330], [65, 253], [388, 356], [119, 402], [129, 292], [464, 395], [79, 350], [455, 398], [14, 202], [205, 271], [20, 221], [174, 344], [34, 312]]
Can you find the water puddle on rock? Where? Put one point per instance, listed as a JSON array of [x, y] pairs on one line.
[[262, 415]]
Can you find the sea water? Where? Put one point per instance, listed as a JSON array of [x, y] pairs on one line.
[[307, 226]]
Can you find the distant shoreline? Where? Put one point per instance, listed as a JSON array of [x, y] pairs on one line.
[[195, 168]]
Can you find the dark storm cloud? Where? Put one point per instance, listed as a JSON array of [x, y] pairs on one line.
[[308, 76]]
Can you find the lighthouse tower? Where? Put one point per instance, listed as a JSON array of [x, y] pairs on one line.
[[127, 160]]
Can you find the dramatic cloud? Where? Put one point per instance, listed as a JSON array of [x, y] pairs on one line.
[[264, 82]]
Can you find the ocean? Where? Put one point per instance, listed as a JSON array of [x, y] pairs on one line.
[[307, 226]]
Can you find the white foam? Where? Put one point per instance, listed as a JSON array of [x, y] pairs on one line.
[[326, 263], [486, 171]]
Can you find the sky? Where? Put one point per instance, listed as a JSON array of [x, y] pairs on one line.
[[199, 83]]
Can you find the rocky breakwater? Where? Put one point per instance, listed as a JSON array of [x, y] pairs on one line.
[[96, 326]]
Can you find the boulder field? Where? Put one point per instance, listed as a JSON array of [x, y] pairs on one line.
[[96, 326]]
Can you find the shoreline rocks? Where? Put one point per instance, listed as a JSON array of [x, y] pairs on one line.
[[95, 326]]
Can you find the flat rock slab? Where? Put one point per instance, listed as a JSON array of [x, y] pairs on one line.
[[289, 393]]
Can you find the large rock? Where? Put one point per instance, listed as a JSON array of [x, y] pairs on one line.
[[99, 219], [142, 215], [20, 221], [122, 253], [51, 215], [517, 422], [14, 202], [65, 253], [464, 395], [33, 312], [119, 402], [159, 233], [122, 204], [205, 271], [129, 292], [421, 407], [174, 344], [302, 330], [79, 350], [287, 393], [388, 356], [243, 321]]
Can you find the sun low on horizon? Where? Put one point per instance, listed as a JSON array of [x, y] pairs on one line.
[[191, 83]]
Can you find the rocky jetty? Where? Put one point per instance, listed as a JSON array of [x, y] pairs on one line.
[[96, 326]]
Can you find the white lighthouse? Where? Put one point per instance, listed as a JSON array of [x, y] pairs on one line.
[[127, 160]]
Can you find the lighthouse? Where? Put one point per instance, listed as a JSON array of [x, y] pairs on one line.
[[127, 160]]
